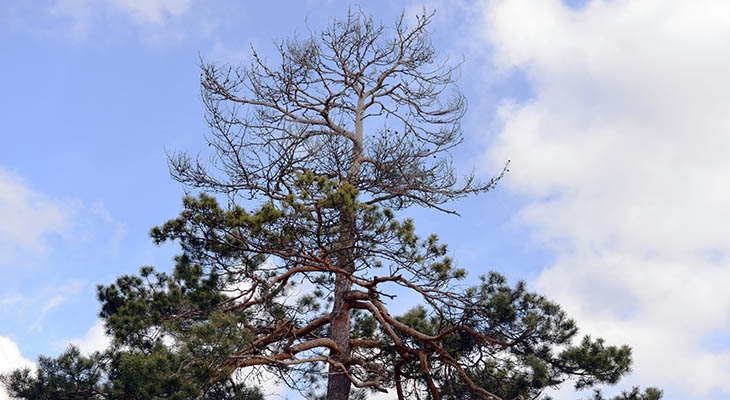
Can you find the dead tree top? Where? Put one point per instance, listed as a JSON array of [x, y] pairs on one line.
[[357, 102]]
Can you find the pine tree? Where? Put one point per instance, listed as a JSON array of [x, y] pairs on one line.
[[352, 125]]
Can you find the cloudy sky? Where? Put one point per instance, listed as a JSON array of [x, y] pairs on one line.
[[614, 115]]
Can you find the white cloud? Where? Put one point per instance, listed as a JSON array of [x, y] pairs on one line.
[[94, 340], [31, 221], [225, 54], [99, 218], [28, 218], [624, 153], [10, 359], [391, 395], [52, 303], [10, 300], [270, 385], [155, 20], [152, 11]]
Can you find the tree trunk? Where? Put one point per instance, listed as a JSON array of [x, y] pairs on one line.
[[338, 384]]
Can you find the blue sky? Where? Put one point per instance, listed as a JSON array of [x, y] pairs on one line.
[[614, 114]]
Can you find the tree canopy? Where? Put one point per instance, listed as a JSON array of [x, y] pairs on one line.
[[351, 125]]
